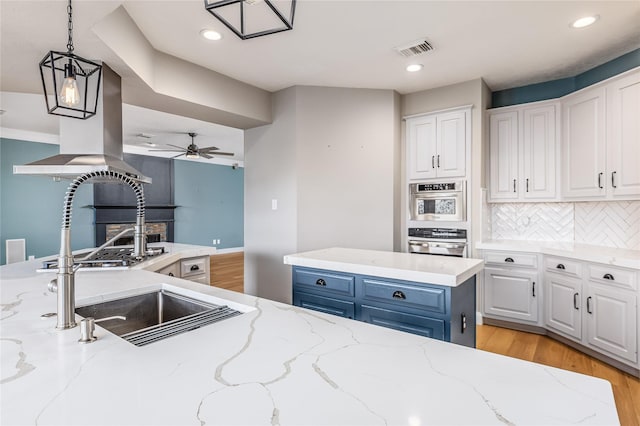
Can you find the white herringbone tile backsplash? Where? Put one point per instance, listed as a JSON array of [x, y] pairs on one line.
[[611, 224], [532, 221]]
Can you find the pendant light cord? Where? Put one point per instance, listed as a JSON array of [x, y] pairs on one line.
[[70, 28]]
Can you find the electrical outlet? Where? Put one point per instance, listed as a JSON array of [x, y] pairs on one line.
[[218, 241], [214, 242]]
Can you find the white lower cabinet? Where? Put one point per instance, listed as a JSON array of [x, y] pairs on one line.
[[612, 320], [598, 309], [562, 304], [511, 287]]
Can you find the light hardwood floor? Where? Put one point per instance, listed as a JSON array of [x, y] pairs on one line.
[[227, 271], [543, 350]]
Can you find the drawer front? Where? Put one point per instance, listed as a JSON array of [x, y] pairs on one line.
[[202, 279], [195, 266], [324, 304], [610, 275], [423, 297], [324, 282], [563, 266], [416, 324], [523, 260]]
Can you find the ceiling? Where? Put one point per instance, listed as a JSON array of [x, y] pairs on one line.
[[338, 43]]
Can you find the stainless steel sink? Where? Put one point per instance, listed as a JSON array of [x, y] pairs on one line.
[[151, 317]]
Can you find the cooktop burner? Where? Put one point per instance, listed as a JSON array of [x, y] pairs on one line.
[[108, 257]]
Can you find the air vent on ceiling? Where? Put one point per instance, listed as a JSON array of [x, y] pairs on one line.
[[414, 48]]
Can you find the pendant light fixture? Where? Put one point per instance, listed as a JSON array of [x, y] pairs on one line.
[[71, 84], [253, 18]]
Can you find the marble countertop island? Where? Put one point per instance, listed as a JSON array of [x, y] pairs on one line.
[[440, 270], [275, 364]]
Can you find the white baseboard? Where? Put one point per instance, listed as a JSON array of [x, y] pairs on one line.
[[478, 318]]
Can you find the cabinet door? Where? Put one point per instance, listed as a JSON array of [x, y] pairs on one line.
[[612, 321], [562, 299], [539, 152], [583, 144], [504, 155], [623, 143], [511, 294], [451, 140], [421, 133]]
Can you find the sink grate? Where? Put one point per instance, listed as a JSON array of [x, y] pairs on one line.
[[181, 325]]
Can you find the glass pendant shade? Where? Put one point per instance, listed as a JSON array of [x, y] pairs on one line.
[[71, 84], [253, 18]]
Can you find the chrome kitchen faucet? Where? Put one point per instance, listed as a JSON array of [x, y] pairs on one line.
[[64, 283]]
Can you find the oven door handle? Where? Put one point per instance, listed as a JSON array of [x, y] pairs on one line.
[[448, 245], [419, 243]]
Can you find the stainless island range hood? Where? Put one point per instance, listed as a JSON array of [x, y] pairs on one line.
[[90, 145]]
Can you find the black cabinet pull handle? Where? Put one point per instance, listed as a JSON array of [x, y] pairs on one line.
[[533, 289], [589, 305], [514, 185], [170, 274], [438, 160], [575, 301], [433, 161], [398, 295], [613, 181], [194, 267], [608, 277], [560, 266], [508, 259], [600, 180], [527, 184], [463, 321], [321, 282]]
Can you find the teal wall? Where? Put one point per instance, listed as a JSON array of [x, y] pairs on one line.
[[210, 200], [31, 206], [557, 88]]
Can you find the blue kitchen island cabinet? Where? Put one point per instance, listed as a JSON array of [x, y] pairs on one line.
[[437, 311]]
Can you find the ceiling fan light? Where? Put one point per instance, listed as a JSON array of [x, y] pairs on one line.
[[192, 155]]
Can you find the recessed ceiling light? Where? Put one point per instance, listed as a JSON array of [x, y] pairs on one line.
[[210, 34], [584, 21], [414, 67]]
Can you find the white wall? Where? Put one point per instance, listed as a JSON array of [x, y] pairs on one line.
[[270, 173], [345, 142], [330, 158]]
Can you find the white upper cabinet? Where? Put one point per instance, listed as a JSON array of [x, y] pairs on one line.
[[601, 141], [437, 144], [523, 153], [583, 144], [623, 136]]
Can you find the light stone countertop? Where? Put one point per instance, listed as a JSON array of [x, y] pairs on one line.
[[590, 253], [440, 270], [273, 365]]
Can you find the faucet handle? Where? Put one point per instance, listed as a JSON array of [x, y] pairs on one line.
[[87, 327]]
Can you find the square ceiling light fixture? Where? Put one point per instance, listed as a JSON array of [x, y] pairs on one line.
[[70, 83], [253, 18]]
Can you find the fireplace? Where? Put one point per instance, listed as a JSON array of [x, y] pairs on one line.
[[115, 205]]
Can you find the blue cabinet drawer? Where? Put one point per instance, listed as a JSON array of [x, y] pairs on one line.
[[324, 304], [423, 297], [323, 282], [416, 324]]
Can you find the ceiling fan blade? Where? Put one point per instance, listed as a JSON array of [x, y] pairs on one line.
[[221, 153], [209, 148], [167, 150], [175, 146], [177, 156], [202, 154]]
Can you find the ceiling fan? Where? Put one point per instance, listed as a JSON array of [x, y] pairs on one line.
[[192, 151]]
